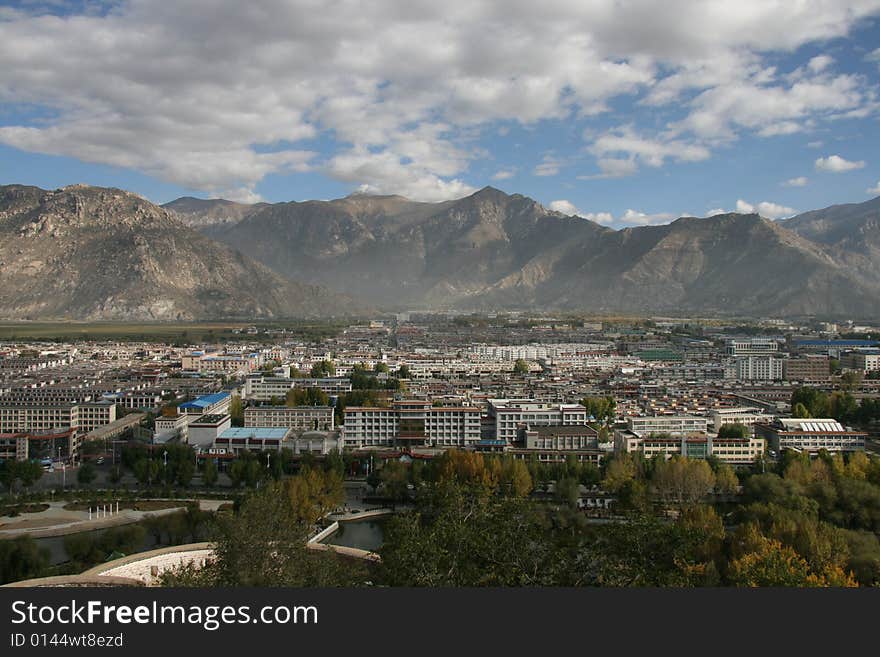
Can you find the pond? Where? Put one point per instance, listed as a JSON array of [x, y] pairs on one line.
[[366, 534], [58, 554]]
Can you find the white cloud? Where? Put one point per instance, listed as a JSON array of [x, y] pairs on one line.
[[765, 209], [820, 63], [836, 164], [216, 96], [568, 208], [715, 211], [873, 56], [636, 218], [875, 189], [637, 149], [504, 174], [549, 167], [800, 181], [815, 144]]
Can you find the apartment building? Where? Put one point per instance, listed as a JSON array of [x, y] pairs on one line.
[[747, 415], [810, 435], [733, 451], [864, 361], [297, 418], [752, 347], [808, 368], [411, 423], [265, 388], [509, 415], [203, 431], [759, 368], [671, 424]]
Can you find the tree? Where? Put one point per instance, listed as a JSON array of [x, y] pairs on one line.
[[799, 410], [86, 474], [403, 371], [184, 473], [683, 481], [394, 477], [146, 470], [602, 409], [735, 430], [380, 367], [21, 558], [323, 369], [306, 397], [618, 471], [726, 481], [568, 491], [236, 411], [264, 544], [520, 367], [209, 472], [769, 563], [314, 493]]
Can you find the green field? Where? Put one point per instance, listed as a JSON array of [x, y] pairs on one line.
[[174, 332]]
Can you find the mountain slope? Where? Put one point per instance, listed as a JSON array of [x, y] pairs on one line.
[[850, 232], [94, 253], [491, 250]]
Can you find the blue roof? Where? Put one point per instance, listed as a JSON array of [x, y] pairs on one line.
[[205, 401], [259, 433], [497, 443]]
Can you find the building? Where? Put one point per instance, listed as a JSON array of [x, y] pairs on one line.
[[38, 421], [864, 360], [315, 442], [759, 368], [298, 418], [810, 435], [265, 388], [508, 416], [747, 415], [671, 424], [203, 431], [255, 439], [808, 368], [213, 404], [411, 423], [733, 451], [171, 428], [752, 347], [556, 444]]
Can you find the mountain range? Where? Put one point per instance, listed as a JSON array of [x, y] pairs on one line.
[[492, 251], [97, 253], [93, 253]]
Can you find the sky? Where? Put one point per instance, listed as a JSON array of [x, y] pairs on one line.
[[623, 112]]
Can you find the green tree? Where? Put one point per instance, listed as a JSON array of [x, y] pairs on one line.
[[21, 558], [86, 474], [236, 411], [520, 367], [323, 369], [209, 472], [735, 430]]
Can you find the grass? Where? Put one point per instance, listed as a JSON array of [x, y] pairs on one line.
[[184, 332]]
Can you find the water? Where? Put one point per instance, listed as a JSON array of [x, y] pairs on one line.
[[365, 534], [58, 555]]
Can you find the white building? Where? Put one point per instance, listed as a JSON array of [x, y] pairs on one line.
[[411, 422], [298, 418], [509, 415], [671, 424]]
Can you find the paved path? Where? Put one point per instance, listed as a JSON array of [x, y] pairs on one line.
[[58, 521]]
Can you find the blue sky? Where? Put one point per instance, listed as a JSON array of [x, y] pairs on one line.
[[626, 113]]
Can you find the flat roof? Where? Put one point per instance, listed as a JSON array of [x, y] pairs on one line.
[[205, 400], [260, 433]]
